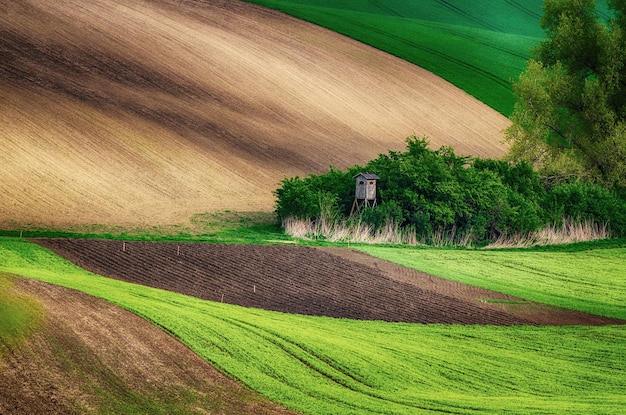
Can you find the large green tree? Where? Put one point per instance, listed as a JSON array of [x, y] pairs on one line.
[[570, 115]]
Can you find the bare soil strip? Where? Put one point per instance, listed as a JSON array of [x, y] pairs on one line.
[[90, 353], [304, 280], [143, 113]]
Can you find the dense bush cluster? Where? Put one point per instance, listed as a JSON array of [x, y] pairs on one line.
[[437, 191]]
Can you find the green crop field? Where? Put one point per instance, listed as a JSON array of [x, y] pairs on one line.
[[18, 315], [322, 365], [593, 281], [480, 45]]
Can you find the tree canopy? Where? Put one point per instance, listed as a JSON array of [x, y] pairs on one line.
[[570, 115], [436, 192]]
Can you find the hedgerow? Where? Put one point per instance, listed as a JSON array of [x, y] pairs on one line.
[[435, 192]]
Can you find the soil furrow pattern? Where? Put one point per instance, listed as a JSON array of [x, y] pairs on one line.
[[331, 282], [204, 108]]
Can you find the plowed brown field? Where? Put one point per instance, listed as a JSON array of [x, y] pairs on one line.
[[137, 112], [93, 357], [304, 280]]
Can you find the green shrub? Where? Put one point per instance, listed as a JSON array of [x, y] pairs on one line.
[[591, 201], [301, 198], [295, 198], [438, 193], [524, 193]]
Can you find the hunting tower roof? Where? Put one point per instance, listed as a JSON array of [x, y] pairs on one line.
[[367, 176]]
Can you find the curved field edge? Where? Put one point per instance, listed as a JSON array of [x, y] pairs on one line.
[[592, 281], [321, 365], [206, 107], [91, 357], [479, 47]]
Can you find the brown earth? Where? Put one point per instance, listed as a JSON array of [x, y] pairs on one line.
[[303, 280], [142, 113], [90, 356], [93, 357]]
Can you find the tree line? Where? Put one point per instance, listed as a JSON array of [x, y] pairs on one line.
[[569, 119], [436, 191], [567, 157]]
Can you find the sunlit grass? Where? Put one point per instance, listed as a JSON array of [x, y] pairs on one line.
[[593, 281], [19, 314], [220, 227], [480, 46], [321, 365]]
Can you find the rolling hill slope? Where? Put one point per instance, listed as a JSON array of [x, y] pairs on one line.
[[478, 45], [91, 357], [140, 112]]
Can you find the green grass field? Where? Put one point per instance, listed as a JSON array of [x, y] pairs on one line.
[[19, 315], [217, 227], [593, 281], [323, 365], [479, 46]]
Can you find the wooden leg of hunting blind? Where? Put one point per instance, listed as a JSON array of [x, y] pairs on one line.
[[124, 246], [222, 300], [178, 250]]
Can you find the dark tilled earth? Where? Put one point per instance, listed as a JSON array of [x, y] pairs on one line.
[[330, 282]]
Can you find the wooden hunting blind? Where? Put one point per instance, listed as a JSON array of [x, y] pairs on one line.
[[365, 192]]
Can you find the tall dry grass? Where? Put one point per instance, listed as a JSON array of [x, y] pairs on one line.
[[567, 232], [335, 230], [349, 231]]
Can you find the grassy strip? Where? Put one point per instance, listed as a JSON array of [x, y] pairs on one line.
[[19, 315], [322, 365], [479, 46], [219, 227], [592, 281]]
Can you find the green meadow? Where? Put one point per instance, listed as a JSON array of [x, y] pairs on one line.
[[321, 365], [19, 315], [593, 281], [481, 46]]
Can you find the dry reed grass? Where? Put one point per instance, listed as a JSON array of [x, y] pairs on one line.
[[345, 231], [568, 231]]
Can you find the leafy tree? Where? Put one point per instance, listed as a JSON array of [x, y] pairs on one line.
[[584, 200], [524, 193], [570, 115], [423, 183], [433, 192], [305, 198]]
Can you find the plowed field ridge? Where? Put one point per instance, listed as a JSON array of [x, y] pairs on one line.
[[145, 113], [334, 282]]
